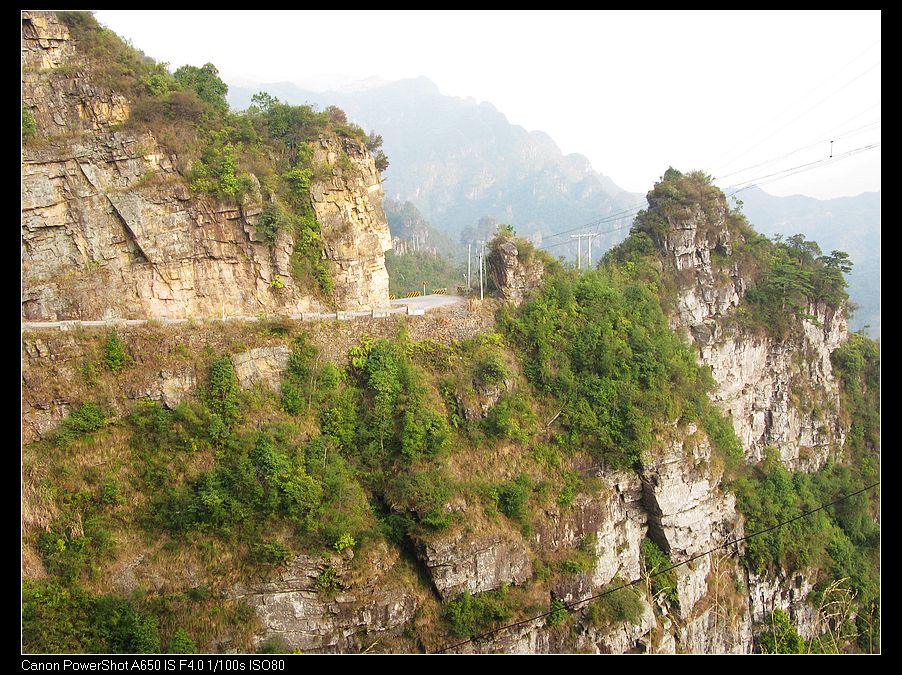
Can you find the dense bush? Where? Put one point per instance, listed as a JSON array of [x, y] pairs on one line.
[[600, 345], [63, 619], [782, 637], [470, 615], [115, 355], [842, 540], [29, 127], [270, 552], [86, 419], [622, 605]]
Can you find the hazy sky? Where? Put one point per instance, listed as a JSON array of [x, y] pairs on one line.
[[634, 91]]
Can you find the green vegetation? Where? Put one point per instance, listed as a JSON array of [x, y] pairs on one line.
[[795, 277], [270, 553], [471, 615], [558, 613], [843, 541], [116, 354], [620, 606], [87, 419], [656, 562], [29, 127], [57, 618], [599, 345], [782, 638]]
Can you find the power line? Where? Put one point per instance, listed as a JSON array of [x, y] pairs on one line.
[[739, 187], [801, 168], [851, 132], [799, 100], [733, 542]]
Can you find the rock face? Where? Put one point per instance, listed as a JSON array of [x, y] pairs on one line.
[[464, 561], [769, 591], [688, 513], [617, 522], [779, 393], [349, 207], [110, 229], [263, 365], [307, 615], [513, 275]]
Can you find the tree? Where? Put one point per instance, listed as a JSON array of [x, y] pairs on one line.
[[206, 82], [374, 145], [338, 115]]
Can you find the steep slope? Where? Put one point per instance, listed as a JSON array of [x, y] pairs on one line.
[[111, 226], [779, 389], [410, 483]]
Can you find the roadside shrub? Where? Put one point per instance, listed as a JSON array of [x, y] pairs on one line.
[[115, 354]]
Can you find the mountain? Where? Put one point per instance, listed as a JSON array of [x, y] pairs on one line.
[[850, 224], [628, 458], [458, 161], [461, 162]]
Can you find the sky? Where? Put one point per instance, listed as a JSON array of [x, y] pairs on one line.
[[748, 97]]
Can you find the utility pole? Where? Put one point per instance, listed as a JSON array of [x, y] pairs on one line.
[[481, 256], [579, 247], [469, 245]]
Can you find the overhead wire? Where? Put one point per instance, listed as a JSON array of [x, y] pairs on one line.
[[733, 542], [731, 190], [754, 134]]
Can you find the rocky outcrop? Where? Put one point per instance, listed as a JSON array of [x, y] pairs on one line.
[[715, 631], [779, 392], [111, 230], [263, 365], [349, 207], [349, 615], [770, 591], [514, 275], [688, 513], [476, 403], [615, 519], [462, 561]]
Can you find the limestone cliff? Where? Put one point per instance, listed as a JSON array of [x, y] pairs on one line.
[[779, 392], [110, 228], [514, 268]]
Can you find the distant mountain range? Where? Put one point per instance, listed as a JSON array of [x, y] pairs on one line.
[[465, 168], [459, 160]]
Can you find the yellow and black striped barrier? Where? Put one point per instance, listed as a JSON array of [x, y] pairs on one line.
[[392, 296], [440, 291], [413, 294]]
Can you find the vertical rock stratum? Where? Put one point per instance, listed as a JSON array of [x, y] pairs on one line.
[[110, 228]]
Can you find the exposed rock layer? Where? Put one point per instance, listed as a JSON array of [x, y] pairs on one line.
[[110, 229]]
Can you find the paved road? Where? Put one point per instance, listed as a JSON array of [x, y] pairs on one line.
[[414, 306], [428, 302]]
